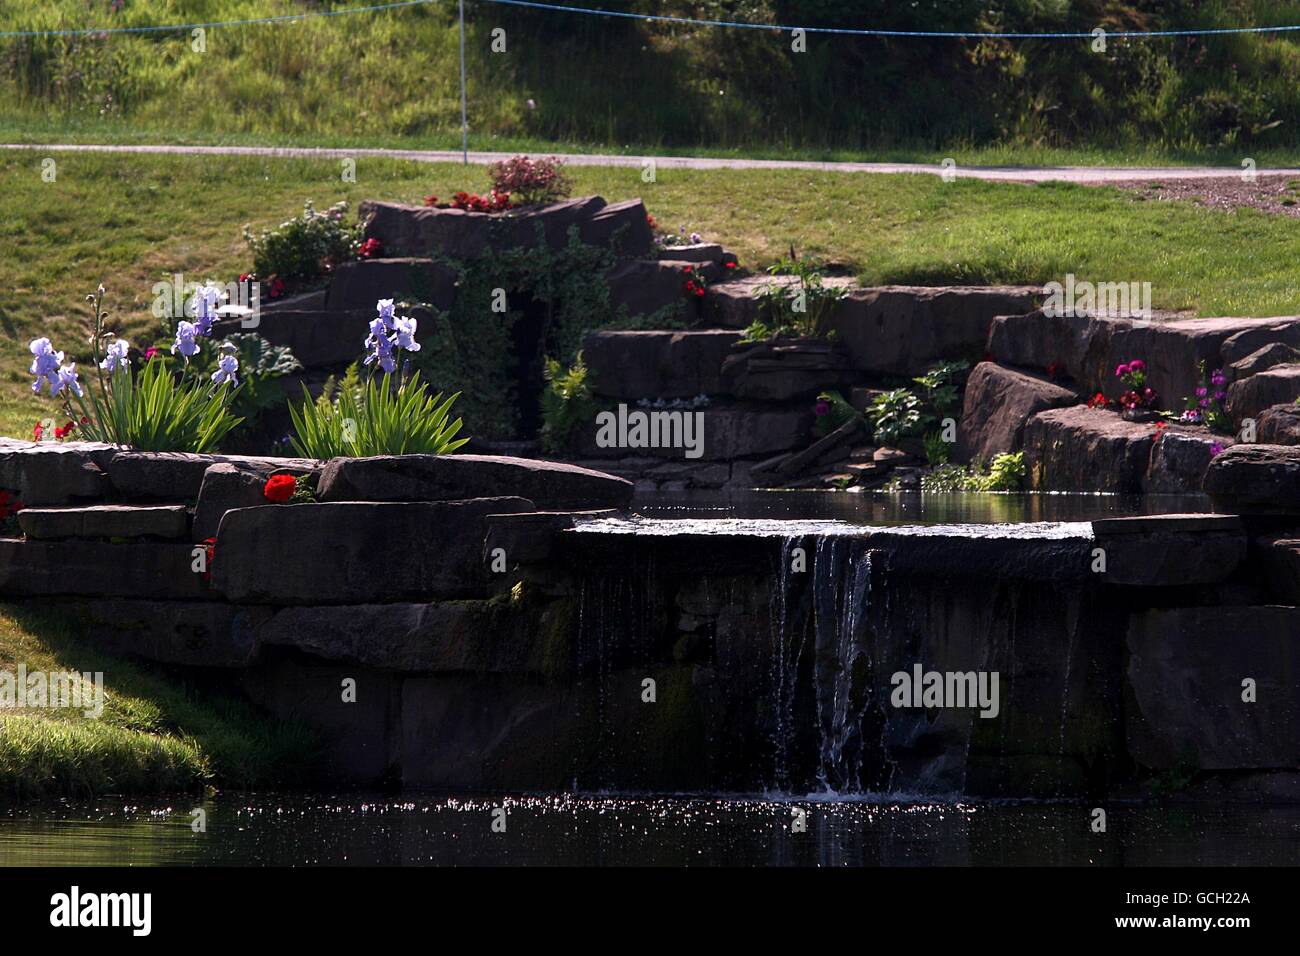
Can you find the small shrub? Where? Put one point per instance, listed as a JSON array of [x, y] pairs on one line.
[[388, 415], [937, 451], [803, 307], [529, 181], [1006, 473], [567, 403], [832, 411], [893, 415], [306, 246]]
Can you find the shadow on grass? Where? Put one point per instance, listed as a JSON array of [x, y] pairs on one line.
[[162, 728]]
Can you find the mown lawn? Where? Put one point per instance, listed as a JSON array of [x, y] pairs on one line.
[[156, 733], [130, 221]]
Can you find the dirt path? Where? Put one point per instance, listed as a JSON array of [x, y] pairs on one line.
[[1119, 175]]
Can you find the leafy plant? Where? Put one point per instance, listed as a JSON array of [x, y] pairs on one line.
[[567, 402], [937, 451], [388, 415], [152, 410], [304, 247], [832, 411], [1207, 406], [940, 384], [530, 181], [261, 364], [802, 307], [1006, 472], [390, 419], [893, 415]]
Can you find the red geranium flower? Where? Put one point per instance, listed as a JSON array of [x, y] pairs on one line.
[[370, 249], [279, 488]]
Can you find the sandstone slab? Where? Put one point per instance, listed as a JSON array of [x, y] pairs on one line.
[[643, 287], [355, 552], [997, 403], [154, 569], [1179, 459], [189, 633], [621, 226], [1186, 670], [178, 476], [1086, 449], [636, 365], [359, 285], [52, 473], [106, 521], [1256, 479], [1279, 425], [450, 477], [903, 330], [1275, 386], [228, 485]]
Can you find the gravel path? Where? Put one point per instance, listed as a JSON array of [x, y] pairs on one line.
[[1118, 175]]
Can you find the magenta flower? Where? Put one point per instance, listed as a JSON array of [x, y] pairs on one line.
[[1121, 371]]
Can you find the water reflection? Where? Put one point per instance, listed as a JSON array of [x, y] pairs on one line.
[[312, 830], [880, 508]]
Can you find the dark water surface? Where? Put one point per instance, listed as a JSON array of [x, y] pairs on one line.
[[910, 508], [298, 830]]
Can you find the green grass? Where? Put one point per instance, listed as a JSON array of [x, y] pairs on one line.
[[156, 734], [130, 221], [392, 78]]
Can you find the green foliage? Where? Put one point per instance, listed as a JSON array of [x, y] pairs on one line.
[[629, 84], [302, 247], [158, 732], [802, 307], [474, 346], [937, 451], [388, 418], [940, 384], [893, 415], [838, 411], [567, 403], [261, 366], [947, 478], [155, 410], [1006, 472]]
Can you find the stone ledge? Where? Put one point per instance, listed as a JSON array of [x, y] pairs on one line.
[[1185, 672], [548, 484], [356, 552], [153, 569], [106, 521]]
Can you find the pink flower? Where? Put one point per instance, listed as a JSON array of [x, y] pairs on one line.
[[1137, 365], [1121, 371]]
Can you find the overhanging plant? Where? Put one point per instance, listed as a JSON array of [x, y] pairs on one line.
[[154, 408]]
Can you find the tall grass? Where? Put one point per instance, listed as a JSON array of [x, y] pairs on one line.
[[620, 83]]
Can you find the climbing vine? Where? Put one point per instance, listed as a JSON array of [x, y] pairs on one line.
[[473, 346]]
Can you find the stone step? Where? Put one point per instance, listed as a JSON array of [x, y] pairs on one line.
[[106, 521], [1089, 348]]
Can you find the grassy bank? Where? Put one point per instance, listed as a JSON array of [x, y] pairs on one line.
[[130, 221], [157, 733], [393, 76]]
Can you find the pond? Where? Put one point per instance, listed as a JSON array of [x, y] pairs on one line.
[[316, 829], [911, 508]]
